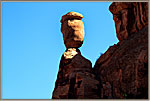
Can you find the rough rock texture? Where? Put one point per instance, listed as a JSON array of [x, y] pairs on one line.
[[71, 16], [129, 17], [123, 69], [73, 30], [75, 78]]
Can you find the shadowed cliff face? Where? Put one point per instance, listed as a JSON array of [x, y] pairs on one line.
[[123, 68]]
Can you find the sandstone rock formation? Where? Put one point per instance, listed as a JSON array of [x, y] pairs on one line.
[[75, 79], [123, 69], [121, 72], [73, 30]]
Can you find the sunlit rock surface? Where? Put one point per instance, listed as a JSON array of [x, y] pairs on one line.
[[73, 30]]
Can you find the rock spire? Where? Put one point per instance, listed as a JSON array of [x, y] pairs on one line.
[[75, 79]]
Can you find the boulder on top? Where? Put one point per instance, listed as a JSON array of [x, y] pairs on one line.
[[73, 30]]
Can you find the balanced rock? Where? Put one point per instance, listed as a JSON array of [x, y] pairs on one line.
[[75, 79], [73, 30]]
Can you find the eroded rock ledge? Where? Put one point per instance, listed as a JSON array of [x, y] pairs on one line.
[[129, 17]]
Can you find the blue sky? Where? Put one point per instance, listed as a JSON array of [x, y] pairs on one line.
[[32, 43]]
